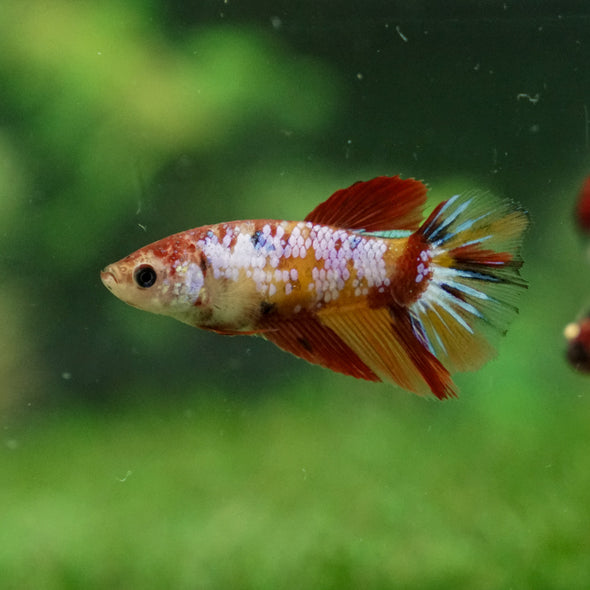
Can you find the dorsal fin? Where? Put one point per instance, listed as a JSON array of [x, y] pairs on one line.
[[386, 202]]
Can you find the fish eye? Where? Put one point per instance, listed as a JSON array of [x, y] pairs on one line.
[[144, 276]]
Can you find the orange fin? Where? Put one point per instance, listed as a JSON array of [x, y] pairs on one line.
[[382, 203], [309, 340], [384, 339]]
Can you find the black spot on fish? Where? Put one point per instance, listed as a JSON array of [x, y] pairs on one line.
[[258, 240], [305, 343], [203, 263], [267, 308]]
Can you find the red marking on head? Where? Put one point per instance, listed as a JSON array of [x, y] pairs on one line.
[[172, 249]]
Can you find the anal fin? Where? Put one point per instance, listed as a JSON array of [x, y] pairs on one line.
[[384, 339], [308, 339]]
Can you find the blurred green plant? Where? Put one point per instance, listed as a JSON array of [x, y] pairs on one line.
[[96, 102], [310, 490], [100, 91]]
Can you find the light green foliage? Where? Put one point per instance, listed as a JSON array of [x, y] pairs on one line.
[[301, 491], [99, 103], [109, 100]]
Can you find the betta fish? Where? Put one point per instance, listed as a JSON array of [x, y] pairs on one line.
[[360, 286]]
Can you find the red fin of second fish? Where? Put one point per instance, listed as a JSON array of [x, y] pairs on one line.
[[382, 203]]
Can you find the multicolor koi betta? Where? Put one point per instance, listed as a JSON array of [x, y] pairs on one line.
[[343, 288]]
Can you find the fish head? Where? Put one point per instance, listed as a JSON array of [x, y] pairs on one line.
[[164, 278]]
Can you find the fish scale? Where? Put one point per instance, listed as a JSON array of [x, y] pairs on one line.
[[284, 258]]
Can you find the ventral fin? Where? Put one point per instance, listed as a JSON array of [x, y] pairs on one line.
[[308, 339], [386, 202], [384, 339]]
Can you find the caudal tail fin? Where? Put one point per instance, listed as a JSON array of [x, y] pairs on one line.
[[473, 268]]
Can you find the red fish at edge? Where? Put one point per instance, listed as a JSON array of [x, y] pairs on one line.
[[360, 286]]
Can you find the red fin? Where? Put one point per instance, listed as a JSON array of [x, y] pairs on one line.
[[385, 340], [309, 340], [382, 203]]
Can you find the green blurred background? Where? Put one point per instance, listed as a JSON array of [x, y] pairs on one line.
[[140, 453]]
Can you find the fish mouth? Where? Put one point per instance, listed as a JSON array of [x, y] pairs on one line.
[[108, 277]]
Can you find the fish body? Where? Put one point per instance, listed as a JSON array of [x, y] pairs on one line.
[[359, 286]]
